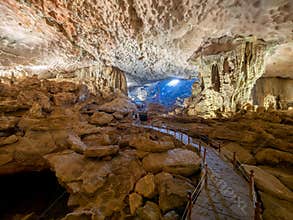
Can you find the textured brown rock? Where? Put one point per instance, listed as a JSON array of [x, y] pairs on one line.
[[172, 191], [8, 122], [101, 118], [177, 161], [135, 201], [121, 104], [275, 208], [269, 184], [243, 155], [146, 186], [101, 151], [64, 98], [273, 157], [8, 140], [150, 211], [144, 143], [5, 158], [284, 175], [76, 144]]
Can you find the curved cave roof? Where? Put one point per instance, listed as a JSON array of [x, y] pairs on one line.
[[149, 40]]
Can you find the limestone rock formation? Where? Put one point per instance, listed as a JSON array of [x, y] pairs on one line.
[[270, 184], [177, 161], [146, 186], [86, 143], [278, 88], [135, 201], [229, 69], [145, 40]]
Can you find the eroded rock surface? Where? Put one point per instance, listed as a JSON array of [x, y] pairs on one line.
[[86, 143]]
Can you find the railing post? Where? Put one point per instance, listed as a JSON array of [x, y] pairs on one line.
[[204, 155], [234, 159], [189, 205], [199, 148], [219, 148], [181, 137], [251, 183], [175, 133], [257, 211], [167, 130], [188, 139], [206, 176]]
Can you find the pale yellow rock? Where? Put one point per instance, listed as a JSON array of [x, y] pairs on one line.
[[76, 144], [146, 186], [177, 161], [135, 201]]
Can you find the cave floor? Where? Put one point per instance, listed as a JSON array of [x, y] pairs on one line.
[[227, 193]]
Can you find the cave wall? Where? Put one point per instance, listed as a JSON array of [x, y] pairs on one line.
[[98, 78], [227, 76], [273, 91]]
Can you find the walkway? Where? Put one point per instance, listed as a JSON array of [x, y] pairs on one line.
[[227, 194]]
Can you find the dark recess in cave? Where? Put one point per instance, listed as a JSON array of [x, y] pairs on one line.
[[32, 192]]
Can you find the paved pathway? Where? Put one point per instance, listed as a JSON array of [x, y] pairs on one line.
[[227, 193]]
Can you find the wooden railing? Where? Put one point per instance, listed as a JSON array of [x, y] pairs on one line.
[[203, 181]]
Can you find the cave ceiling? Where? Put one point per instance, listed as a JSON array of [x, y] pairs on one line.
[[148, 39]]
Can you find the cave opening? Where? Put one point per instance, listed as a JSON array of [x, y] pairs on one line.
[[33, 195], [164, 94]]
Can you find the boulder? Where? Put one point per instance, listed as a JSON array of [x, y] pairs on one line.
[[97, 140], [8, 122], [178, 161], [5, 158], [76, 144], [135, 201], [276, 208], [101, 151], [243, 155], [144, 143], [150, 211], [172, 191], [8, 140], [146, 186], [269, 184], [101, 118], [118, 115], [285, 176], [121, 104], [64, 98], [274, 157]]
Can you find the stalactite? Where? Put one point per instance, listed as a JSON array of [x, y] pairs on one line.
[[228, 76]]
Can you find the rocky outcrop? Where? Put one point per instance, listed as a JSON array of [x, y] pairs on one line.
[[176, 161], [273, 92], [86, 143], [269, 183], [229, 69], [146, 186]]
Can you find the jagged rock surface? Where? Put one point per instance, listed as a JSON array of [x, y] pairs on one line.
[[95, 164], [229, 69]]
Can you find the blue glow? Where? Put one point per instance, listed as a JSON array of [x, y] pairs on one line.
[[168, 92], [173, 82]]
